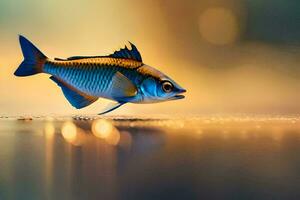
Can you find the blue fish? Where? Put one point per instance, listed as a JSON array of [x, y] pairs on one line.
[[121, 77]]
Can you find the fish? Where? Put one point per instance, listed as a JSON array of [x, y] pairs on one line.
[[121, 77]]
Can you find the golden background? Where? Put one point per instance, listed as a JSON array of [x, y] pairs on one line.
[[231, 56]]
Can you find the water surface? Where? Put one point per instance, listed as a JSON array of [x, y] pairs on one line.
[[150, 158]]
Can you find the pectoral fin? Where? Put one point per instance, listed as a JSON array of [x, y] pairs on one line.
[[122, 87], [76, 98], [111, 107]]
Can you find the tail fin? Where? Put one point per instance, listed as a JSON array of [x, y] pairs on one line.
[[33, 59]]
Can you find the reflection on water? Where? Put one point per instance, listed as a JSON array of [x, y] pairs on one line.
[[102, 128], [49, 130], [69, 132], [120, 158]]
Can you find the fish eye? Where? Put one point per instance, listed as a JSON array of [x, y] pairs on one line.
[[167, 86]]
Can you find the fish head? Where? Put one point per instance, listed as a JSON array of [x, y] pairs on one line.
[[157, 86]]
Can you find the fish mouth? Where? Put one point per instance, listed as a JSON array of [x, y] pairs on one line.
[[178, 96]]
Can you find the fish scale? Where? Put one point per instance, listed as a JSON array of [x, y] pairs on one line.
[[94, 81]]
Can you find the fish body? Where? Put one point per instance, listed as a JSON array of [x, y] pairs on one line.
[[121, 77], [93, 76]]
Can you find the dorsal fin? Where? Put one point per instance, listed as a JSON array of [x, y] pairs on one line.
[[77, 58], [60, 59], [81, 57], [126, 53], [133, 54]]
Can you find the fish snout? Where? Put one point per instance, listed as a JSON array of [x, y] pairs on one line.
[[182, 90], [179, 94]]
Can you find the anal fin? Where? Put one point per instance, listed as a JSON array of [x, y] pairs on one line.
[[76, 98], [110, 107]]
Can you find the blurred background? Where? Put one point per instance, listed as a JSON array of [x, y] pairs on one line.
[[233, 56]]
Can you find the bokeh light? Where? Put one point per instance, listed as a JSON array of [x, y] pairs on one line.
[[104, 129], [219, 26], [113, 138], [69, 131], [125, 140], [49, 130]]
